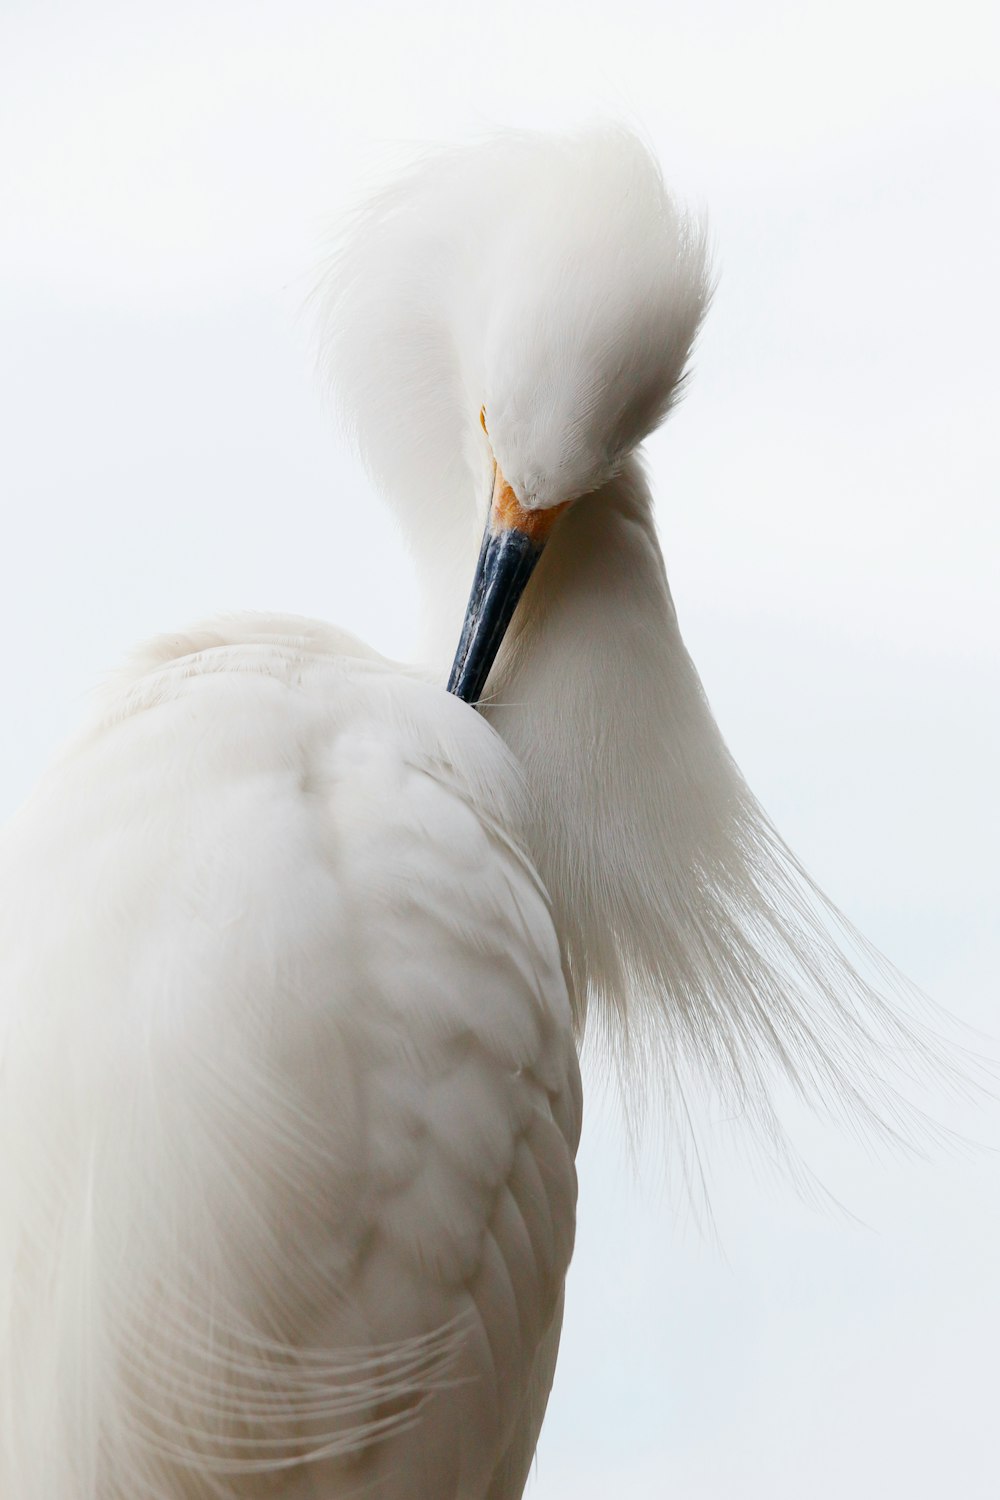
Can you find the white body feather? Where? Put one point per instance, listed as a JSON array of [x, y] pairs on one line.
[[288, 1091], [277, 1181]]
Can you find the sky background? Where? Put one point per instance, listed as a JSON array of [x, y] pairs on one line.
[[828, 507]]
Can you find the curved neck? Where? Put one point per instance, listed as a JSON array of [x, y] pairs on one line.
[[598, 699], [687, 922]]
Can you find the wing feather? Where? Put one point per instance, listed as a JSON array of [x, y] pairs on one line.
[[288, 1092]]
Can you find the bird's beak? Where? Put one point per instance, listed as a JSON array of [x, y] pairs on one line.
[[512, 544]]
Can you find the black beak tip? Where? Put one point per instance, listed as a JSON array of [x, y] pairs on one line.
[[506, 561]]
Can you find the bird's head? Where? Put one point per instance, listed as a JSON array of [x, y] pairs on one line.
[[509, 322]]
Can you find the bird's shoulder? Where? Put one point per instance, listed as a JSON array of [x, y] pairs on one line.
[[300, 952], [272, 780]]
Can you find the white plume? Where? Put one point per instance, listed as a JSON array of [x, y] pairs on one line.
[[555, 282], [551, 280], [708, 955]]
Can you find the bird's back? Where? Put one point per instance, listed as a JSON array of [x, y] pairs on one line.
[[288, 1092]]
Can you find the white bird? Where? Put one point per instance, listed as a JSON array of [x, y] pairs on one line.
[[296, 948]]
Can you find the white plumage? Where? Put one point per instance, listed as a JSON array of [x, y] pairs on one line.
[[295, 947], [290, 1101]]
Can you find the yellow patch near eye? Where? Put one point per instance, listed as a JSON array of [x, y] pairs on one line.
[[482, 420], [509, 515]]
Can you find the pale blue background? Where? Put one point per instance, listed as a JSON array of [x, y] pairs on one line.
[[828, 503]]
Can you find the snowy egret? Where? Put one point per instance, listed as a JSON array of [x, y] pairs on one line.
[[297, 947]]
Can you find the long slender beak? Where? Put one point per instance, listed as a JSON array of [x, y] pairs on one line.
[[512, 544]]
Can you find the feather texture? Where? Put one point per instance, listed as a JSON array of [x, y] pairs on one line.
[[289, 1097], [277, 1185], [552, 281], [557, 283], [712, 962]]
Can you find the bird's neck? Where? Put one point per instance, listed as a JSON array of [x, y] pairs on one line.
[[598, 699], [688, 925]]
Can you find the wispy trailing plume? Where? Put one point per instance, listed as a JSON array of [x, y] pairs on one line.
[[558, 283]]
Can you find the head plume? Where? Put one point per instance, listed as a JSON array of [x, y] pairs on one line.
[[551, 280]]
